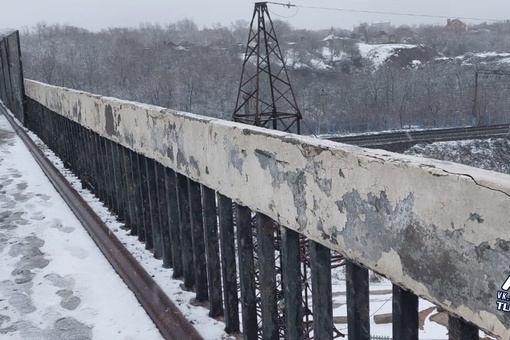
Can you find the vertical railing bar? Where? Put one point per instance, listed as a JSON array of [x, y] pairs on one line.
[[197, 232], [67, 148], [212, 250], [185, 228], [163, 215], [358, 301], [109, 183], [141, 184], [65, 138], [291, 277], [114, 169], [246, 271], [228, 264], [137, 226], [130, 191], [47, 122], [101, 190], [267, 276], [77, 137], [155, 229], [458, 329], [148, 238], [173, 222], [65, 152], [404, 314], [320, 263], [92, 158], [80, 139], [121, 180]]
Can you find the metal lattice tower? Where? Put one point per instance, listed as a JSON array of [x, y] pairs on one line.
[[266, 99], [265, 96]]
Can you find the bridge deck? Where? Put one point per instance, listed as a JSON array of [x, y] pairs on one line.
[[54, 281]]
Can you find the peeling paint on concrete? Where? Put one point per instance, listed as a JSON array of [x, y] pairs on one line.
[[109, 121], [447, 272], [439, 229], [237, 155], [476, 217]]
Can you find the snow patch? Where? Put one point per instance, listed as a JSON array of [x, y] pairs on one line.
[[379, 53]]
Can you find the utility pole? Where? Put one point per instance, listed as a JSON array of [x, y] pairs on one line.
[[265, 97]]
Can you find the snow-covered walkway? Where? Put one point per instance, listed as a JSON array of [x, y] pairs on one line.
[[54, 281]]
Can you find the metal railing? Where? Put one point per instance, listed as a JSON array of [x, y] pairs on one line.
[[12, 91]]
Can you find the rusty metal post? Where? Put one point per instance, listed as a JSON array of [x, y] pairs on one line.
[[197, 236], [291, 277], [212, 250], [185, 229], [163, 215], [267, 276], [405, 314], [228, 264], [173, 221], [358, 302], [155, 229], [459, 329], [141, 201], [246, 272], [322, 299]]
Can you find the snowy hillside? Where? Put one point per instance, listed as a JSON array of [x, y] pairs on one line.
[[403, 55], [481, 60], [379, 53], [488, 154]]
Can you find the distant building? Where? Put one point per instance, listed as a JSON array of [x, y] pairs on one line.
[[330, 40], [375, 33], [403, 35], [380, 37], [455, 25], [376, 27]]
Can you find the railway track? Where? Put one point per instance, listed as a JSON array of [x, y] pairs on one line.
[[401, 140]]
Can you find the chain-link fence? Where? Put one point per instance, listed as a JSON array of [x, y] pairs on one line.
[[12, 91]]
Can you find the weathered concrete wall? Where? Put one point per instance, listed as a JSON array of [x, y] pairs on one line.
[[437, 228]]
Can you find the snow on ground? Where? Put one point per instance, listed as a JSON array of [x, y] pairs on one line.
[[54, 281], [379, 53], [471, 58], [381, 303], [209, 328], [489, 154], [329, 53]]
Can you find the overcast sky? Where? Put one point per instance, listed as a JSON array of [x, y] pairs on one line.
[[100, 14]]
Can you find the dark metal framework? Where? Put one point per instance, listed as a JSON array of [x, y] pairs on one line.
[[266, 99], [265, 96], [12, 90]]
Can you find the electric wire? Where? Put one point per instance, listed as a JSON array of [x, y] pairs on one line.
[[289, 5], [283, 16]]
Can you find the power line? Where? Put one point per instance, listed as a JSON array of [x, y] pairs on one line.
[[289, 5], [285, 17]]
